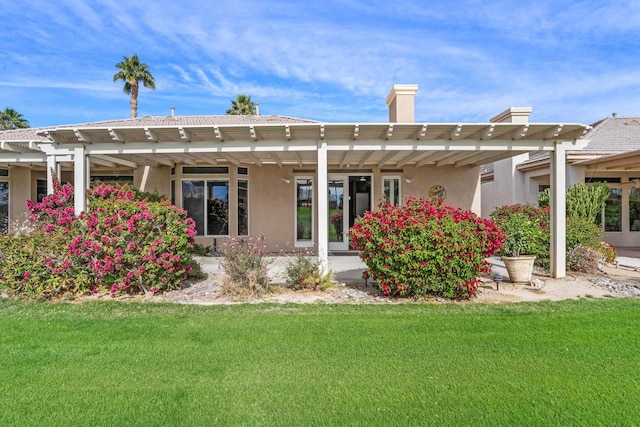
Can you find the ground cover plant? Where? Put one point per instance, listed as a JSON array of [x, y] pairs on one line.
[[126, 242], [111, 363], [424, 248]]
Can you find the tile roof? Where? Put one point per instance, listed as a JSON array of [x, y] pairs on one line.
[[191, 121], [24, 135], [612, 135], [30, 134]]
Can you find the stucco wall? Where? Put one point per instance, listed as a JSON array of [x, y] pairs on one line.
[[152, 179], [19, 192]]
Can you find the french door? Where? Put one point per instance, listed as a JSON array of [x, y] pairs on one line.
[[349, 197]]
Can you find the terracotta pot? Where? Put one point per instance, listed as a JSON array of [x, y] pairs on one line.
[[519, 268]]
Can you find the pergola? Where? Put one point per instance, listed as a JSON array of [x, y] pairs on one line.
[[312, 144]]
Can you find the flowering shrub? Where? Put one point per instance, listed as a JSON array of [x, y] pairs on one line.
[[423, 248], [123, 243], [244, 265]]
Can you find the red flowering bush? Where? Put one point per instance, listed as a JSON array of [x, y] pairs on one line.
[[123, 243], [423, 248]]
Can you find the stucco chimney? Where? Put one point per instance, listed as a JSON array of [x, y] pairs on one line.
[[513, 115], [401, 103]]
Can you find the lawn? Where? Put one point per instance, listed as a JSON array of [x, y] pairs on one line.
[[110, 363]]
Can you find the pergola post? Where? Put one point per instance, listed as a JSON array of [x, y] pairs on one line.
[[53, 171], [80, 179], [558, 211], [323, 207]]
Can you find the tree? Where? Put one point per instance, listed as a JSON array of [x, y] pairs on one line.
[[132, 72], [11, 119], [242, 106]]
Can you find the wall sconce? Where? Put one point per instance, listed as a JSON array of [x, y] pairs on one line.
[[408, 180], [286, 180]]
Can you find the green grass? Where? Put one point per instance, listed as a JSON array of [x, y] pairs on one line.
[[110, 363]]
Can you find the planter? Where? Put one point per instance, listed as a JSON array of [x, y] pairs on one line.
[[519, 268]]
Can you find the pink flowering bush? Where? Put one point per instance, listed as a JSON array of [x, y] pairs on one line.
[[423, 248], [124, 243]]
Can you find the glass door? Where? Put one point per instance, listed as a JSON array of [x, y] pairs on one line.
[[337, 213]]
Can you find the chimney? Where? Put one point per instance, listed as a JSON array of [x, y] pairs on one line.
[[513, 115], [401, 103], [173, 111]]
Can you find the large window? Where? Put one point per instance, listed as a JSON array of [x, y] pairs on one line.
[[612, 211], [210, 213], [634, 209], [243, 207], [304, 211]]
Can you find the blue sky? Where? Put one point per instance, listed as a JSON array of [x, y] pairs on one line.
[[572, 61]]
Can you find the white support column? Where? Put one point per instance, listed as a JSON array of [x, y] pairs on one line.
[[558, 212], [53, 171], [323, 207], [80, 181]]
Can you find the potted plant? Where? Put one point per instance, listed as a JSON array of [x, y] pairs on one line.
[[521, 234]]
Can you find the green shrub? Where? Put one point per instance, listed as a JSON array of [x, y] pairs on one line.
[[303, 272], [122, 244], [583, 232], [534, 224], [423, 248], [244, 266], [579, 231]]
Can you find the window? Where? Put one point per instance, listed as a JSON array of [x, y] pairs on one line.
[[172, 192], [210, 213], [243, 207], [41, 189], [218, 207], [634, 209], [200, 170], [304, 211], [391, 188], [612, 211], [4, 207]]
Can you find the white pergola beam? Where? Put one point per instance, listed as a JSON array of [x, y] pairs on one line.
[[116, 160], [364, 158], [276, 159], [386, 158], [255, 159], [343, 159]]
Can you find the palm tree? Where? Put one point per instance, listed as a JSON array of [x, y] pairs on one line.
[[132, 72], [242, 106], [11, 119]]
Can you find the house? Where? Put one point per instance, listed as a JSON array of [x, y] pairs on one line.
[[612, 155], [262, 175]]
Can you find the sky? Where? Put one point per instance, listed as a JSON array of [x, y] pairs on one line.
[[329, 60]]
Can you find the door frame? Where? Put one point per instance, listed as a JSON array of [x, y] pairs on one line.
[[344, 244]]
